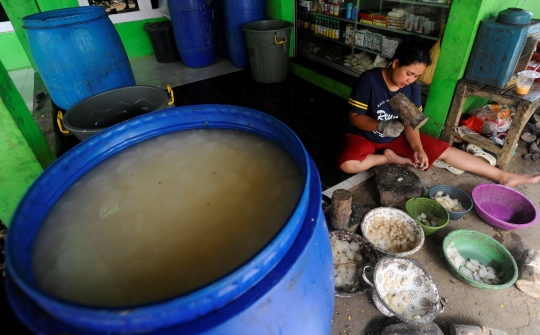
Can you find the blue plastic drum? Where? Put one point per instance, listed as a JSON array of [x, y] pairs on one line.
[[194, 32], [286, 288], [237, 13], [78, 53]]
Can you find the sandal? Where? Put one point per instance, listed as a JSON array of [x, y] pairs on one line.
[[478, 152], [443, 165]]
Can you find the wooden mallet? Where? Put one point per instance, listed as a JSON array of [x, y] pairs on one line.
[[407, 111]]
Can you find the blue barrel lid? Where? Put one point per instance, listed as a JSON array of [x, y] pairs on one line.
[[62, 17], [513, 15]]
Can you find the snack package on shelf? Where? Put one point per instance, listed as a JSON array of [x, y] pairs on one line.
[[349, 34], [397, 23], [369, 40], [360, 38], [379, 20], [377, 42], [389, 46], [366, 18]]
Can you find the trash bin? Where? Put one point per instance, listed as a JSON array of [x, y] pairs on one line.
[[104, 110], [268, 46], [162, 39]]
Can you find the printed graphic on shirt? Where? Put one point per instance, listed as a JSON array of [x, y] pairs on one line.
[[382, 115]]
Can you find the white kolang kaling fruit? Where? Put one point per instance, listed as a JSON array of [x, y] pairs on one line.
[[348, 263], [392, 234], [427, 221], [472, 268], [448, 203], [396, 293]]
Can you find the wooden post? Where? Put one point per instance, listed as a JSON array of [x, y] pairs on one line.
[[341, 209], [529, 279], [407, 111]]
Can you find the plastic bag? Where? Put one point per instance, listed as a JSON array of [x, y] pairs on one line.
[[473, 123], [497, 118], [163, 6]]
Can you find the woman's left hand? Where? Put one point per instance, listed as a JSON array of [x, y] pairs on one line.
[[421, 160]]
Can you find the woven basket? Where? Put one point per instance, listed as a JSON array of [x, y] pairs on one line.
[[369, 254], [503, 207], [433, 210], [454, 193]]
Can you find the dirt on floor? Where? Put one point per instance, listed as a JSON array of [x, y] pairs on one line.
[[506, 309]]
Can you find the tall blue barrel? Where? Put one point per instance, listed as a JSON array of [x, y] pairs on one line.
[[78, 53], [237, 13], [194, 31], [287, 288]]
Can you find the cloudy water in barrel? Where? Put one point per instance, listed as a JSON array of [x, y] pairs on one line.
[[166, 216]]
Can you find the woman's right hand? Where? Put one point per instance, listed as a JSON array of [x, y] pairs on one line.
[[390, 128]]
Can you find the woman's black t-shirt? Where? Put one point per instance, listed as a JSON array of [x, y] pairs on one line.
[[370, 96]]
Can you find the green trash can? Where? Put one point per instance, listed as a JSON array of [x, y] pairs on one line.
[[268, 46]]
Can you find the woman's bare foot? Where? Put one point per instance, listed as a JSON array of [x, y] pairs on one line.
[[512, 179], [393, 158]]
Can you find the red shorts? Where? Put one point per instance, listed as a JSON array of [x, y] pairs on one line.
[[357, 148]]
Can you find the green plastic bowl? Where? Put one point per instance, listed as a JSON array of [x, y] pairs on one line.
[[432, 209], [486, 250]]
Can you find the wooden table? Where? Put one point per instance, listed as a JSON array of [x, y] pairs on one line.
[[525, 106]]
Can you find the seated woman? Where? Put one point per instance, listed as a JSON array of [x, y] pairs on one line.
[[377, 136]]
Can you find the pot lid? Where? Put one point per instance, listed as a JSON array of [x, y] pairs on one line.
[[514, 15]]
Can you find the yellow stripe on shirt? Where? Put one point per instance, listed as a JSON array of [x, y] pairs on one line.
[[357, 104]]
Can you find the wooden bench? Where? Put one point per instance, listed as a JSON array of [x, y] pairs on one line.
[[525, 106]]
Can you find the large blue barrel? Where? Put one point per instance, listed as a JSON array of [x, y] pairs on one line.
[[78, 53], [287, 288], [237, 13], [194, 31]]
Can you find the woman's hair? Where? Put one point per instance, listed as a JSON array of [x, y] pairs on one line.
[[412, 51]]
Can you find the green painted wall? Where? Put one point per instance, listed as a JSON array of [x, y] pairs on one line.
[[135, 38], [14, 57], [16, 10]]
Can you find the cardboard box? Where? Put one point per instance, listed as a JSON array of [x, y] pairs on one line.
[[305, 5]]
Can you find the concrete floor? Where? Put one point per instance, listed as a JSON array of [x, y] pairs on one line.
[[508, 309]]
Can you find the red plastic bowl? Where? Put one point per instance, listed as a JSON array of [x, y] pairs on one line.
[[503, 207]]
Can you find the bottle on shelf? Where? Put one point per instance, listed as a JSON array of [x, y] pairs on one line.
[[349, 11], [307, 20]]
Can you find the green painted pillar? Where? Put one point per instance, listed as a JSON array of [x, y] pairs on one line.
[[24, 120], [20, 166], [454, 54]]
